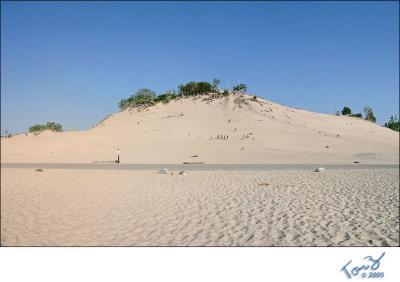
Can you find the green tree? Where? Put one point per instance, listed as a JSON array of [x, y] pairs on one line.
[[346, 111], [369, 114], [215, 84], [240, 87], [393, 123]]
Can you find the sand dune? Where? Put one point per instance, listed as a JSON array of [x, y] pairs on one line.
[[259, 132], [205, 208], [242, 208]]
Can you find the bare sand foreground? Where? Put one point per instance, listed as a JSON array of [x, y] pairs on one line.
[[202, 208]]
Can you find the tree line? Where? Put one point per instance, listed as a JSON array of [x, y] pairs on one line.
[[368, 113], [393, 122]]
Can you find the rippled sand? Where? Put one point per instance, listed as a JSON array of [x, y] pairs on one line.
[[241, 208]]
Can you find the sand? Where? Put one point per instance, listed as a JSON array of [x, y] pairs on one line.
[[202, 208], [259, 132], [205, 208]]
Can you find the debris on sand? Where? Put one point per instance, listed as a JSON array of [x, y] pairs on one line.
[[193, 163], [320, 169], [246, 136], [263, 184], [327, 147], [194, 156], [163, 171], [180, 115], [39, 170], [356, 162], [182, 172]]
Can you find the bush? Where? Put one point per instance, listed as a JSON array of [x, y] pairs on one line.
[[166, 97], [240, 87], [37, 128], [346, 111], [143, 96], [226, 92], [215, 85], [359, 115], [123, 104], [393, 123], [195, 88], [54, 126], [369, 114]]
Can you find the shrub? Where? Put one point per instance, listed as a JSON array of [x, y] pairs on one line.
[[37, 128], [54, 126], [215, 84], [166, 97], [393, 123], [195, 88], [369, 114], [226, 92], [240, 87], [143, 96], [346, 111], [123, 104], [358, 115]]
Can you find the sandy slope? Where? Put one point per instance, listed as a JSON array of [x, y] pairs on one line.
[[260, 132], [245, 208]]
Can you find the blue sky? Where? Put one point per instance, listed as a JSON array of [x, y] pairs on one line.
[[72, 62]]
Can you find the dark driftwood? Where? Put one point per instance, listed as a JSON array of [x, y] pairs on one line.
[[193, 163]]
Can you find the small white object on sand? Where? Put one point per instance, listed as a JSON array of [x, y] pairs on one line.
[[182, 172], [320, 169], [163, 171]]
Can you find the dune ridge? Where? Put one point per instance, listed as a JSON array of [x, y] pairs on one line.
[[258, 131]]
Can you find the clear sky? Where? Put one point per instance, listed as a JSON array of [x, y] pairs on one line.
[[72, 62]]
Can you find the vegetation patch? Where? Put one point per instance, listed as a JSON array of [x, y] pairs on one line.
[[393, 123], [37, 128], [146, 97]]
